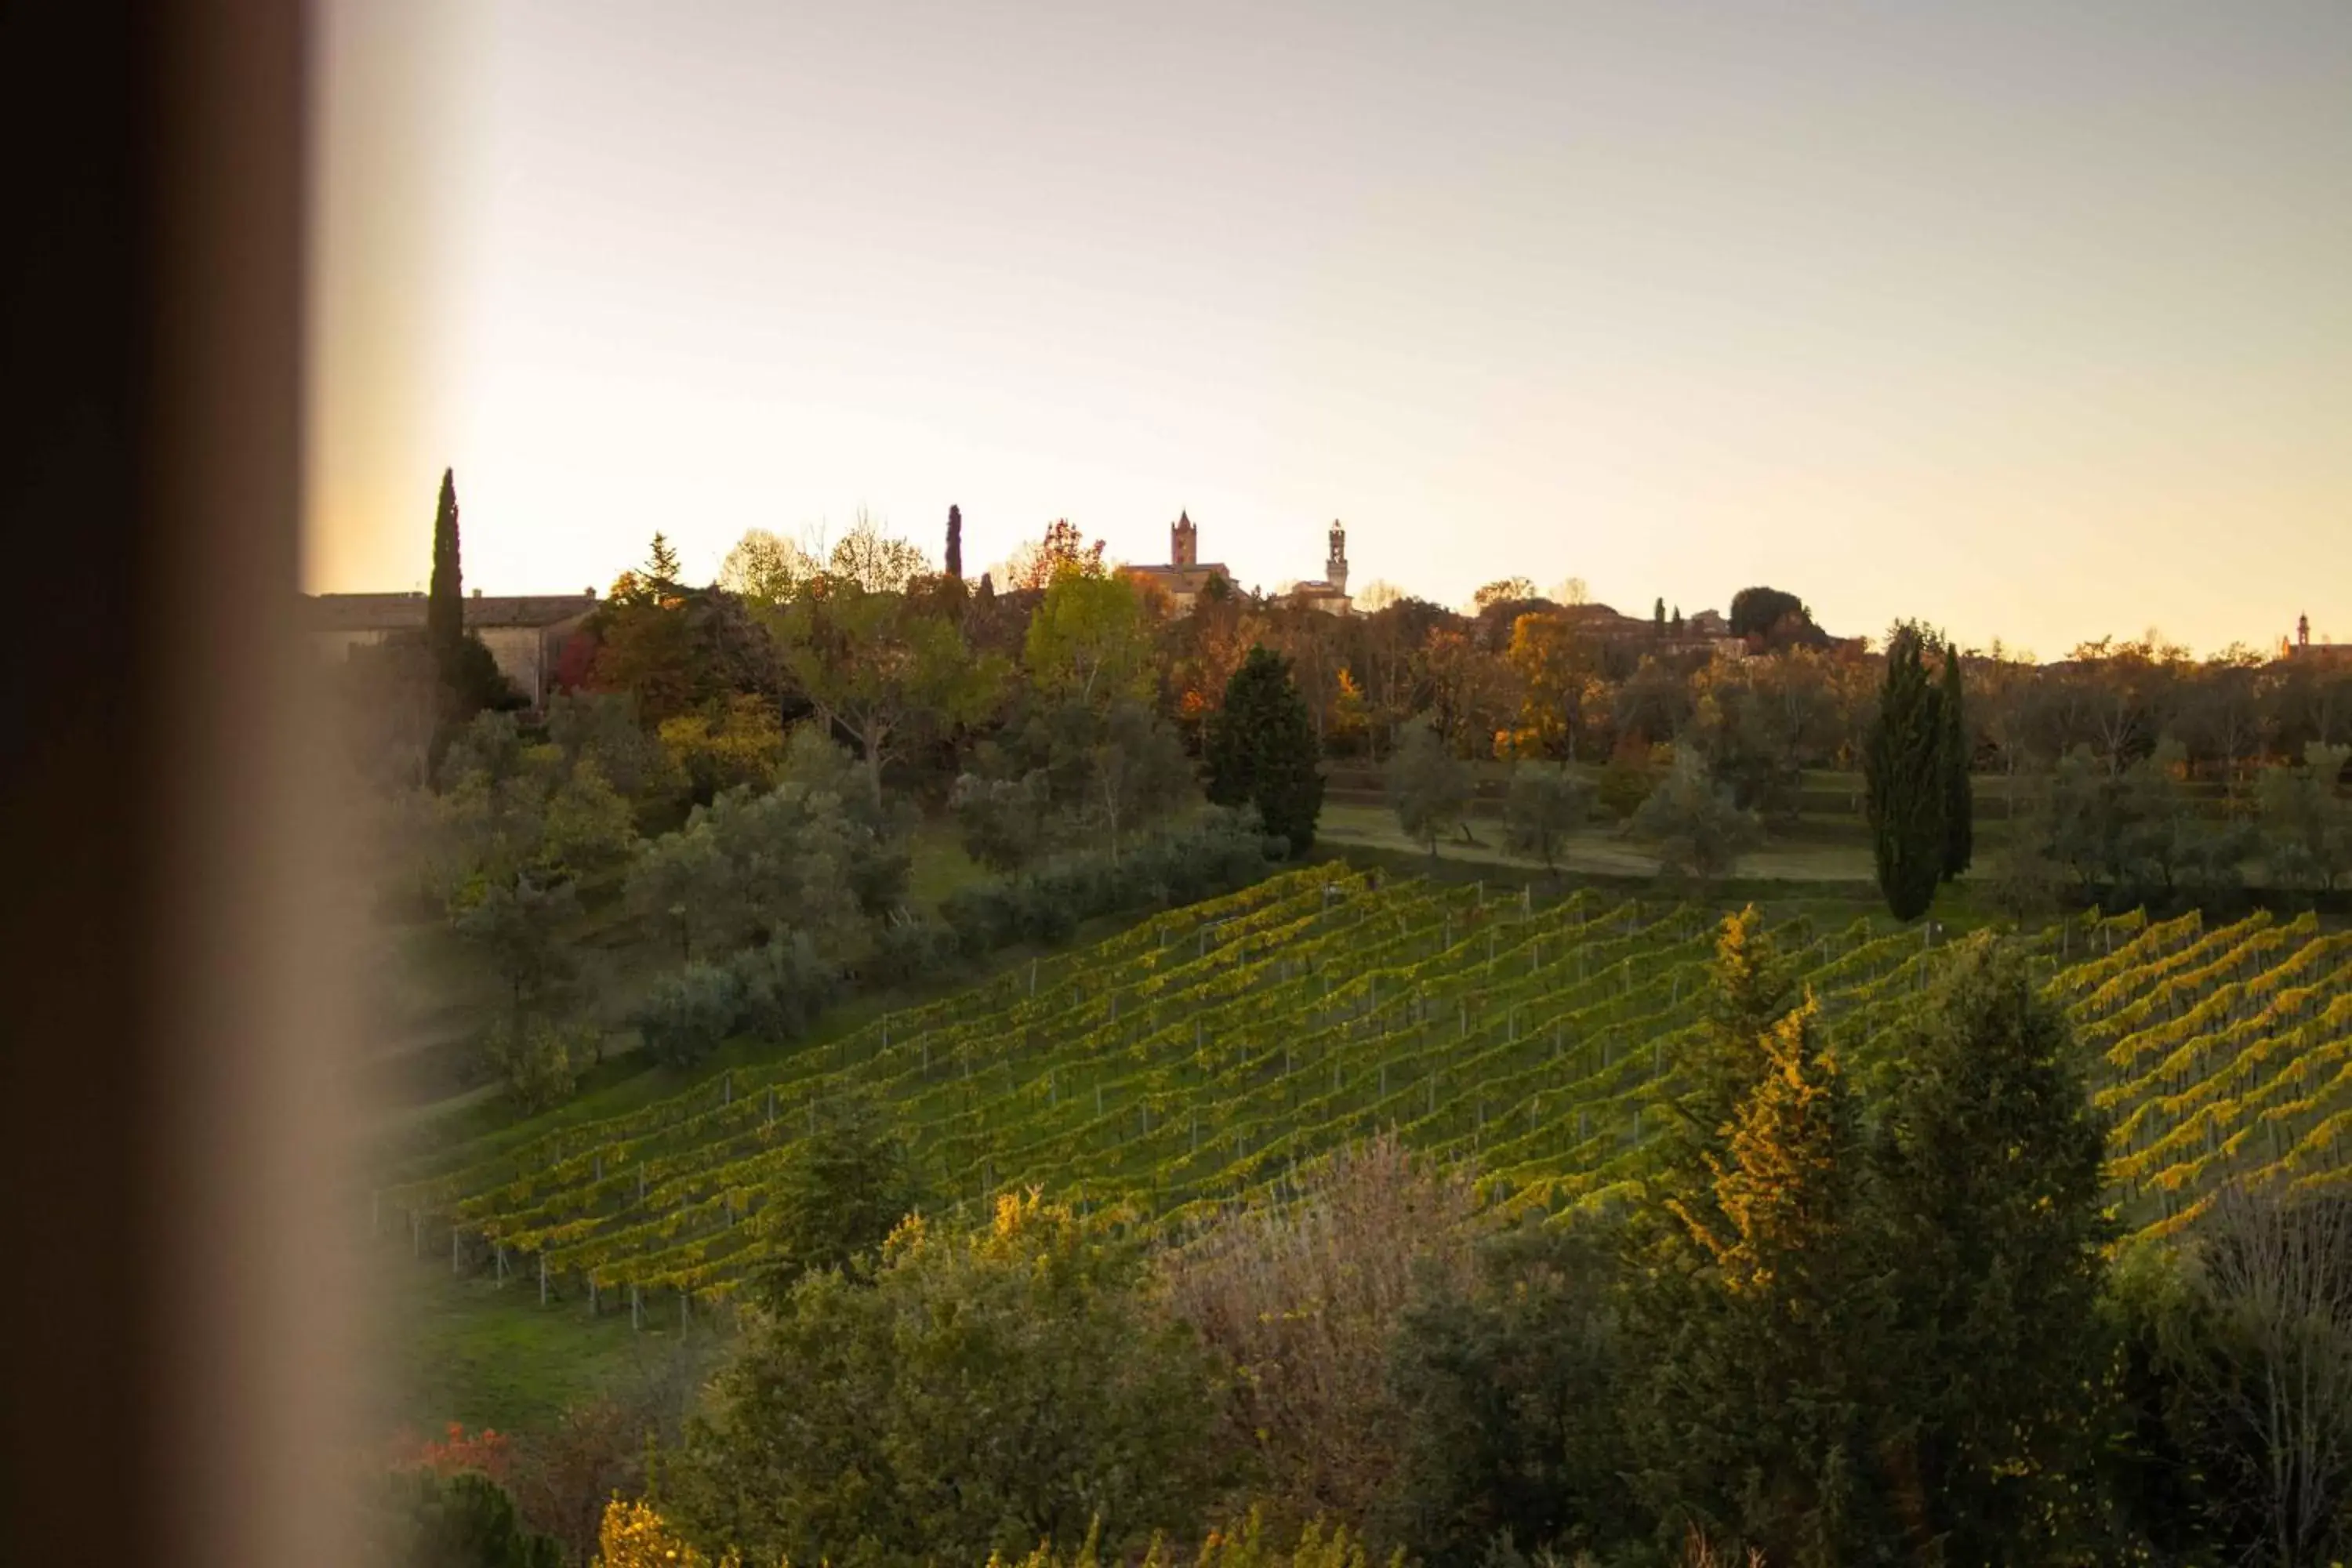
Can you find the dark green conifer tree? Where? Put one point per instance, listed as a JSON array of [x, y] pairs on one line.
[[445, 605], [1987, 1227], [1959, 794], [1261, 750], [955, 543], [1902, 768]]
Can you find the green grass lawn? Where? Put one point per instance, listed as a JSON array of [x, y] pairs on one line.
[[1817, 851], [465, 1349]]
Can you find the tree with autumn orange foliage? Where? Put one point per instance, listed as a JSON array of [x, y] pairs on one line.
[[1756, 1323], [1063, 552]]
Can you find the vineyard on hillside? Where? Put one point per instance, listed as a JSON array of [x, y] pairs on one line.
[[1206, 1054]]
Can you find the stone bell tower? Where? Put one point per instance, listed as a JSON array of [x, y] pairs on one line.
[[1335, 568], [1183, 541]]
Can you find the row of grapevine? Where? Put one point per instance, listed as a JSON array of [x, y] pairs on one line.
[[1205, 1055]]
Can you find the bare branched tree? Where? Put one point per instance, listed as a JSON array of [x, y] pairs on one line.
[[1303, 1300], [2277, 1279]]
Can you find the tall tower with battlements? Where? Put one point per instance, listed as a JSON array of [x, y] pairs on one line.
[[1183, 541], [1335, 568]]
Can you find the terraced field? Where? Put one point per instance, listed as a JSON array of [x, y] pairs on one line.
[[1205, 1054]]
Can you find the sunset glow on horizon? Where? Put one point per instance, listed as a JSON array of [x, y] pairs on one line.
[[2032, 323]]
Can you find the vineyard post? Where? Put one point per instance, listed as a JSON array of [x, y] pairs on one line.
[[641, 1170], [542, 1279], [592, 1295], [637, 1320], [1032, 977], [498, 1259], [726, 1088]]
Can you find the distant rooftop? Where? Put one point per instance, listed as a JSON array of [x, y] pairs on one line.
[[404, 612]]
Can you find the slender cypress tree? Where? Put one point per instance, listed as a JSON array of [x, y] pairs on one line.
[[1959, 794], [955, 543], [1261, 750], [445, 606], [1902, 768]]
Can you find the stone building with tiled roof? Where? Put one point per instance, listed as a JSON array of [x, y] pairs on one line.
[[524, 633]]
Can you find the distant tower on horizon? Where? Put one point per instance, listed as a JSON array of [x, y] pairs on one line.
[[1335, 568], [1183, 541], [2303, 631]]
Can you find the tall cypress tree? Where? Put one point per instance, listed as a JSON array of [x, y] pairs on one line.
[[445, 606], [1959, 794], [1261, 750], [955, 543], [1903, 766]]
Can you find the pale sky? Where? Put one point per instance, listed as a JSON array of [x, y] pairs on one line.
[[2032, 320]]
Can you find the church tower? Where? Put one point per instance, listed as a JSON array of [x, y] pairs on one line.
[[1183, 541], [1335, 569]]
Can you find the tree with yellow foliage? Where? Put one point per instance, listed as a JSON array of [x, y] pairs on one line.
[[1756, 1322], [1564, 696]]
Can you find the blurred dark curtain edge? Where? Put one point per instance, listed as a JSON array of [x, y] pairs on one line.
[[172, 1322]]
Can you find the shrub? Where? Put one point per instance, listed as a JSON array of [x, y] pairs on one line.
[[1693, 822], [686, 1015], [781, 989], [841, 1192], [974, 1391], [908, 948], [1216, 852], [536, 1059], [422, 1519]]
